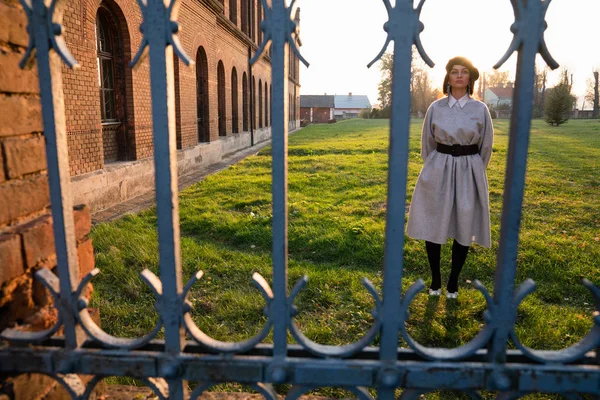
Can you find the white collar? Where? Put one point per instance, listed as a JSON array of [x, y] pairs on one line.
[[461, 102]]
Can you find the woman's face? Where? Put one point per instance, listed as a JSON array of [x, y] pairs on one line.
[[459, 77]]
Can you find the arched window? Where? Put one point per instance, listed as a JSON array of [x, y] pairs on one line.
[[260, 106], [245, 102], [295, 111], [245, 4], [290, 63], [266, 105], [233, 11], [111, 84], [202, 100], [234, 102], [221, 99]]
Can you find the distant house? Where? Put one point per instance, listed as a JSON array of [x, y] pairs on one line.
[[500, 99], [322, 108], [316, 108], [349, 106]]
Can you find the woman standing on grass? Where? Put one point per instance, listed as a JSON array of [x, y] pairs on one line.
[[451, 198]]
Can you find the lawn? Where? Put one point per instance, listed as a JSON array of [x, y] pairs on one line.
[[337, 193]]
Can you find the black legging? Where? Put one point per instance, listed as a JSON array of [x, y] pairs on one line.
[[459, 255]]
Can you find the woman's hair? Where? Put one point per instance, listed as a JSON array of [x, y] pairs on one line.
[[473, 72]]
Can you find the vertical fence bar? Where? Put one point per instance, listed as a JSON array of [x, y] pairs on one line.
[[403, 27], [158, 28], [53, 114], [528, 40], [167, 205], [396, 200], [514, 186], [279, 132]]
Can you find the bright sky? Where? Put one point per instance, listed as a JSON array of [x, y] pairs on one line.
[[340, 37]]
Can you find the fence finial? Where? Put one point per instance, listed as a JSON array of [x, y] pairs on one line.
[[55, 31], [404, 22], [267, 27], [529, 23], [172, 30]]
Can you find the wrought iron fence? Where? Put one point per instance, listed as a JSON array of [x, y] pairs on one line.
[[484, 363]]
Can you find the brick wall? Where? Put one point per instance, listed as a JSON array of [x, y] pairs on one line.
[[82, 100], [26, 237], [201, 25]]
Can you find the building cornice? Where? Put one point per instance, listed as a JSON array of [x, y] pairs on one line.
[[215, 5], [224, 22], [292, 79], [232, 28]]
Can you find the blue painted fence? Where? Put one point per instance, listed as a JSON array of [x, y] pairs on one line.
[[484, 363]]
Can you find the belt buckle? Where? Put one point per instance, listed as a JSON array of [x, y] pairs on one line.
[[455, 150]]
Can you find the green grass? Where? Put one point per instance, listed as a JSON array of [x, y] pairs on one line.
[[337, 194]]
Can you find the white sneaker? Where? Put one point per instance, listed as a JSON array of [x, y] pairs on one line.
[[450, 295], [435, 292]]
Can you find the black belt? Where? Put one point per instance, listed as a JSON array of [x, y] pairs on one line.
[[457, 150]]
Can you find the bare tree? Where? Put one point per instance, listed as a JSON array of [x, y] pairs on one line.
[[539, 91], [497, 79], [422, 91], [591, 94], [385, 84], [421, 88], [544, 79], [481, 88]]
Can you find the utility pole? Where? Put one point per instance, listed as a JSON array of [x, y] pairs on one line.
[[251, 89], [251, 77]]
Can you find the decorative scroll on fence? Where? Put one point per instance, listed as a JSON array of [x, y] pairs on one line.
[[484, 363]]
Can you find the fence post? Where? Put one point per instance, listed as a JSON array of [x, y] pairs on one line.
[[160, 35], [45, 36], [403, 28], [528, 40], [279, 132]]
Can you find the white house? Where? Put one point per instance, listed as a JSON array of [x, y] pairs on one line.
[[497, 96], [350, 106]]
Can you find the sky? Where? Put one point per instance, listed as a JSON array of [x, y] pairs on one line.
[[340, 37]]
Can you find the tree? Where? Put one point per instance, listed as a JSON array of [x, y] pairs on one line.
[[497, 79], [385, 85], [591, 94], [422, 91], [559, 101], [539, 91]]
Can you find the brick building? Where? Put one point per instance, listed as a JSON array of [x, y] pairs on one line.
[[108, 104], [26, 237], [317, 108], [108, 120]]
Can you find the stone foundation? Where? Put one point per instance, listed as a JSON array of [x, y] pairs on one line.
[[119, 182]]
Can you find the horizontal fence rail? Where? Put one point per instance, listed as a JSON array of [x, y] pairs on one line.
[[165, 366]]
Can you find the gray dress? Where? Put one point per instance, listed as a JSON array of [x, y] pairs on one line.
[[451, 198]]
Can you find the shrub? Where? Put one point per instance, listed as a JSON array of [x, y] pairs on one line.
[[558, 105], [365, 113]]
